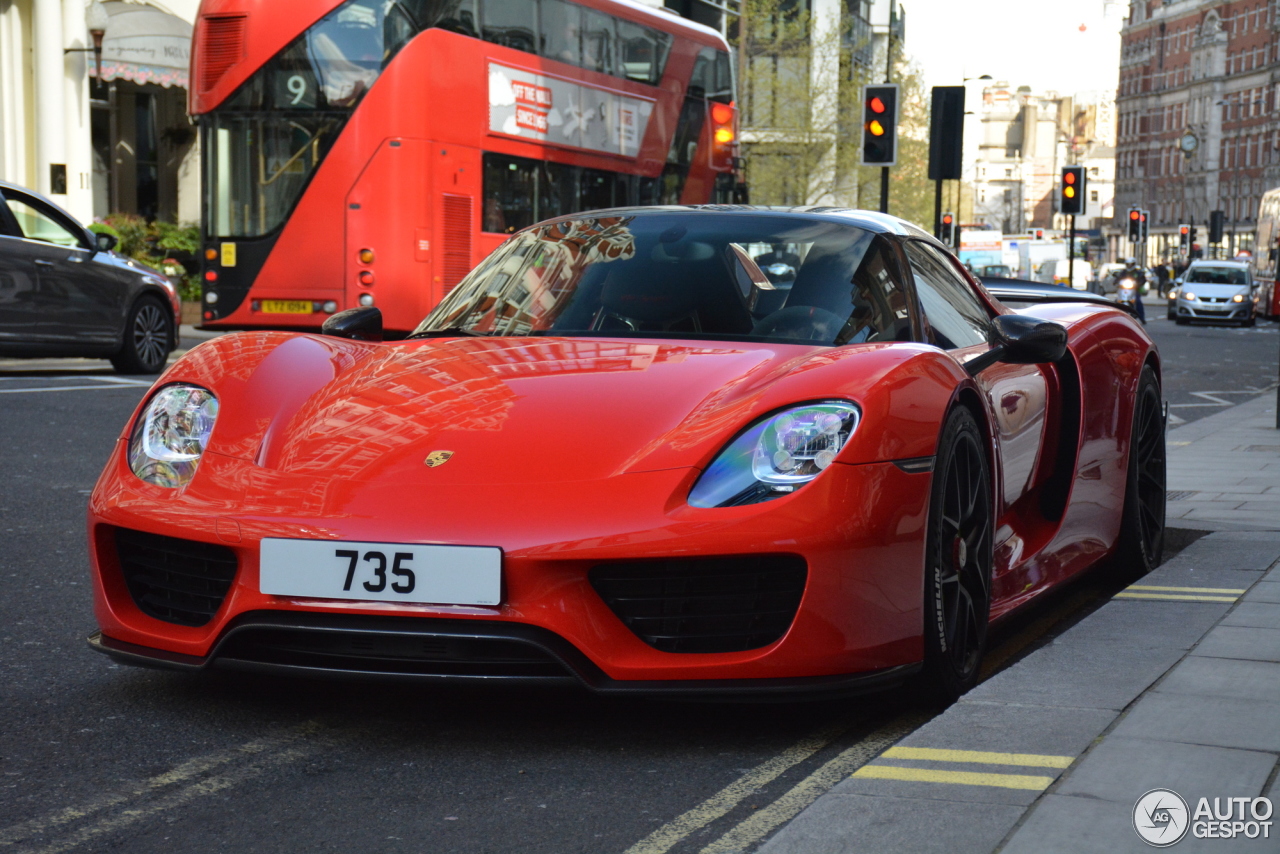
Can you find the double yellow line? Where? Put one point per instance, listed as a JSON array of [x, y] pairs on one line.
[[1031, 782], [1180, 594]]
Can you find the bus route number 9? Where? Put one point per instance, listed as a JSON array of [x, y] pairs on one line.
[[297, 86]]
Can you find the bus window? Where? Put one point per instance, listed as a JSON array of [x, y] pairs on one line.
[[510, 23], [712, 76], [457, 16], [643, 52], [598, 42], [510, 187], [561, 31]]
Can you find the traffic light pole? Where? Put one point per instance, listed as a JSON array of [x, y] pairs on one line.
[[937, 209], [888, 78], [1071, 254]]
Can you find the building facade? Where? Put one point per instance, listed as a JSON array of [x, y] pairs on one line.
[[1024, 140], [1197, 111], [95, 144]]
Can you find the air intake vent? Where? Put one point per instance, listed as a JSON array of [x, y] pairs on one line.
[[178, 581], [710, 605], [457, 240], [221, 46]]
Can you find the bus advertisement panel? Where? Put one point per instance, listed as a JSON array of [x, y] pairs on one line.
[[371, 152]]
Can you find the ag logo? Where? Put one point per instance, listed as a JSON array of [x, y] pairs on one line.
[[1160, 817], [437, 458]]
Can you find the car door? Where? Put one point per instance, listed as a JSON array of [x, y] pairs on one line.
[[18, 282], [957, 320], [73, 301]]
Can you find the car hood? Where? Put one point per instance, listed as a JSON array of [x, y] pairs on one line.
[[507, 409]]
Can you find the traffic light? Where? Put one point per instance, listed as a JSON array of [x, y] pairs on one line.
[[1142, 228], [1072, 190], [947, 232], [1184, 239], [1217, 219], [880, 125], [1135, 225]]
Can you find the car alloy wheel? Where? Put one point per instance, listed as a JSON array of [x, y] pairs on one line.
[[958, 576], [147, 340]]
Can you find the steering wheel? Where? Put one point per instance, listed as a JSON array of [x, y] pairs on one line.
[[802, 322]]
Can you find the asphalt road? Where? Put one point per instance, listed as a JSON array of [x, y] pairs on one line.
[[1209, 367], [100, 757]]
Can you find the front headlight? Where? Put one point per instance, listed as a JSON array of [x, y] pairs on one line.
[[1188, 295], [1238, 298], [172, 433], [777, 455]]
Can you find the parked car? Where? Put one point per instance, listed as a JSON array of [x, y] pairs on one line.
[[1215, 290], [63, 292], [999, 271], [702, 492]]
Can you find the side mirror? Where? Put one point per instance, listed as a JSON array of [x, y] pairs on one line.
[[106, 242], [358, 324], [1020, 340]]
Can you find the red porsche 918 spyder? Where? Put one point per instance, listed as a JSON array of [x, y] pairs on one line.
[[672, 450]]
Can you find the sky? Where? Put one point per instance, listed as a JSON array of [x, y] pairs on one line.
[[1022, 42]]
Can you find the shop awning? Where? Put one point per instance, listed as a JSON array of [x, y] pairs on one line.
[[145, 45]]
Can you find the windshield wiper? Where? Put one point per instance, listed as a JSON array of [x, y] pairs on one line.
[[449, 332]]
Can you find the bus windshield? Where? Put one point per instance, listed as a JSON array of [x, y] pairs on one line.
[[684, 275], [267, 139]]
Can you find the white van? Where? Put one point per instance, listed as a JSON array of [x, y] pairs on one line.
[[1056, 272]]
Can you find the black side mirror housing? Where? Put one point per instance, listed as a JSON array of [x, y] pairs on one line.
[[358, 324], [106, 242], [1020, 340]]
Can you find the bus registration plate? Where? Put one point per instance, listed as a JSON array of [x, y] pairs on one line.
[[286, 306]]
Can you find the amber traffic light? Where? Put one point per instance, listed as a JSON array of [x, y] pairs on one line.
[[1072, 190], [880, 125]]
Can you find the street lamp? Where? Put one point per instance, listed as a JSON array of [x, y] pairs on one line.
[[96, 19]]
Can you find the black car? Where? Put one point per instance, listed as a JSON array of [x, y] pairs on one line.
[[63, 292]]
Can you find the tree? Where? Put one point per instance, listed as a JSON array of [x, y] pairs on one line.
[[801, 79]]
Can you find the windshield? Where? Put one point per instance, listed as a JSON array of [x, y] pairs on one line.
[[684, 275], [1218, 276]]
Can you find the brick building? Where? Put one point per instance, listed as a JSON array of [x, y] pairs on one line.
[[1198, 124]]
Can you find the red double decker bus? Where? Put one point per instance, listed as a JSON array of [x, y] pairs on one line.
[[370, 152]]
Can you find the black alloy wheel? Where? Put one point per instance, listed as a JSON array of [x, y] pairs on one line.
[[148, 338], [1142, 529], [958, 559]]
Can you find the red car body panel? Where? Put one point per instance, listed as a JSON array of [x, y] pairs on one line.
[[325, 438]]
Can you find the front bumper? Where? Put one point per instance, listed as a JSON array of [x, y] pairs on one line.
[[1214, 309], [859, 530]]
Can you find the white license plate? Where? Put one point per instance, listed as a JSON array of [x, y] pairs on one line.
[[382, 572]]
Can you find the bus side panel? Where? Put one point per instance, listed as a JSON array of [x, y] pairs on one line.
[[388, 213]]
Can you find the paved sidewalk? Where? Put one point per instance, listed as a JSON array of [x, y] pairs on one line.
[[1174, 683], [1224, 470]]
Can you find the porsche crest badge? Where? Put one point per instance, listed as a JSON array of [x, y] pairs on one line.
[[437, 458]]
